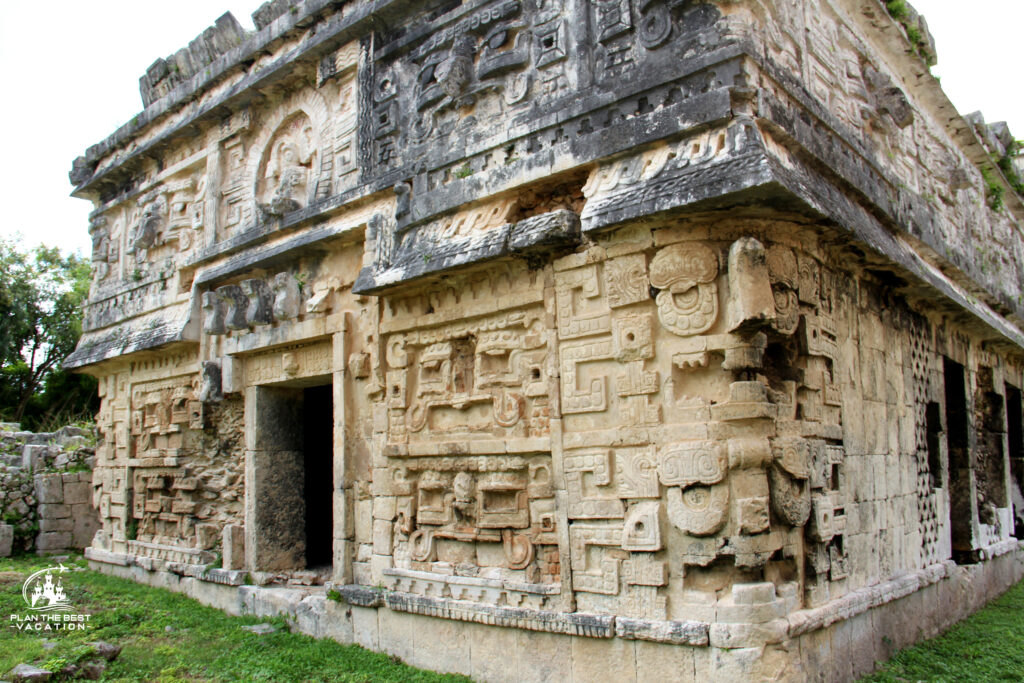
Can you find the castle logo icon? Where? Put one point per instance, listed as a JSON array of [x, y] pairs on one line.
[[43, 591]]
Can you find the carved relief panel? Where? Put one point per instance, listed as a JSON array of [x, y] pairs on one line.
[[480, 63], [169, 466], [672, 392]]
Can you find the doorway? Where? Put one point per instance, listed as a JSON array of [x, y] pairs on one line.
[[958, 445], [289, 477], [318, 465]]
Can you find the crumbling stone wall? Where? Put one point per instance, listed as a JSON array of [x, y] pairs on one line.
[[46, 490], [650, 331]]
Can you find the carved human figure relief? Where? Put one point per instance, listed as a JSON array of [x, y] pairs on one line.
[[688, 297], [285, 178], [147, 233], [287, 297], [104, 249], [785, 276]]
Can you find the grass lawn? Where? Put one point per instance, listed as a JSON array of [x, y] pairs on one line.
[[988, 646], [202, 643]]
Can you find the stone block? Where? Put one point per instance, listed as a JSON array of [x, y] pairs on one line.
[[76, 491], [337, 623], [493, 654], [6, 540], [35, 456], [366, 627], [49, 488], [26, 673], [311, 615], [364, 520], [233, 546], [86, 524], [53, 511], [661, 662], [384, 507], [49, 541], [207, 536], [601, 659], [398, 634], [440, 645], [63, 524], [382, 537], [544, 656]]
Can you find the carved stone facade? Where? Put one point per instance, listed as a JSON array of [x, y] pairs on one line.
[[668, 335]]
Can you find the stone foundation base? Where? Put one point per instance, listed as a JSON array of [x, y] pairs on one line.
[[840, 641]]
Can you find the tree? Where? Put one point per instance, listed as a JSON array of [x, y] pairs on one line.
[[41, 296]]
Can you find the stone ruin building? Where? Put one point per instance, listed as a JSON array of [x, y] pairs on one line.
[[563, 339]]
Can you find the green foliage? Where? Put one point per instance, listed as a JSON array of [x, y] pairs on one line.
[[166, 636], [993, 190], [897, 9], [41, 296], [334, 595], [914, 34], [464, 172], [1005, 164], [988, 646]]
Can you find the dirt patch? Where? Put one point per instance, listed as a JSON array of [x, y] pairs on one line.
[[7, 578]]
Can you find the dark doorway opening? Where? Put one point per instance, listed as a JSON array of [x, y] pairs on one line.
[[933, 428], [318, 463], [1015, 444], [958, 442]]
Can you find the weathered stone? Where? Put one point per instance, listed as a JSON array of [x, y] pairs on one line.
[[49, 488], [92, 670], [75, 492], [65, 524], [49, 541], [505, 325], [6, 539], [233, 546], [54, 510], [26, 673], [36, 456]]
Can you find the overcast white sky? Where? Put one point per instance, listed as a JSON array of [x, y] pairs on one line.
[[69, 72]]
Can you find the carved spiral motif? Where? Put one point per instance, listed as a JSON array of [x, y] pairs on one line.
[[421, 545], [686, 465], [700, 510], [655, 27], [508, 408], [688, 300], [690, 263], [518, 549], [395, 352], [417, 416], [693, 312]]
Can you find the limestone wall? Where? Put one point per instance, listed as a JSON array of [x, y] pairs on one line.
[[46, 490], [630, 323]]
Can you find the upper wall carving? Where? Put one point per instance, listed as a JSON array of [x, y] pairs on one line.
[[472, 108]]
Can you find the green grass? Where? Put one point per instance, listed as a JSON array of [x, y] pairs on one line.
[[202, 644], [988, 646]]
